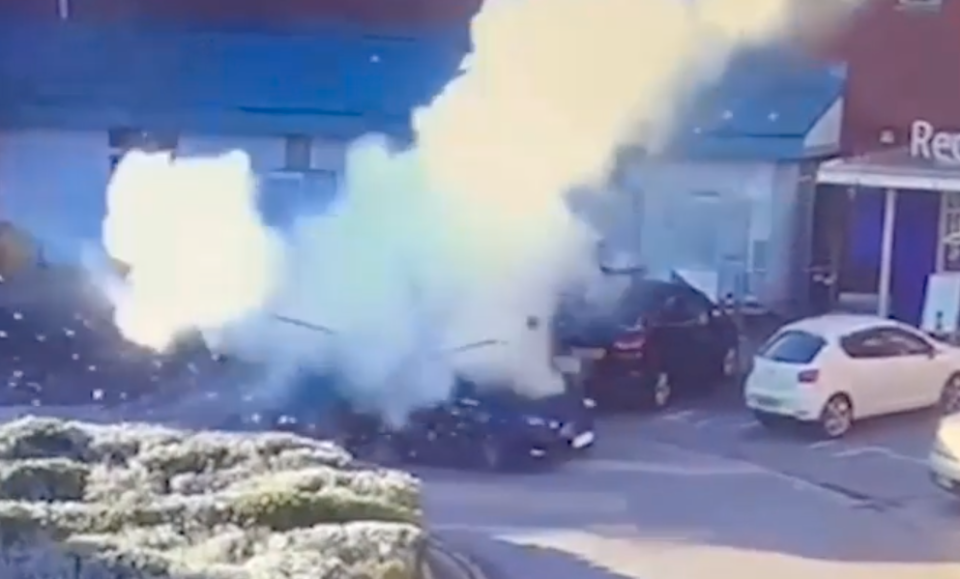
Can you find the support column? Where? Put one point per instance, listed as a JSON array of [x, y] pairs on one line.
[[886, 251]]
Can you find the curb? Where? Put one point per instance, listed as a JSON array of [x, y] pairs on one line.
[[444, 562]]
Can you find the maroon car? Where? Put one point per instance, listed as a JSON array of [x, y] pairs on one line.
[[662, 339]]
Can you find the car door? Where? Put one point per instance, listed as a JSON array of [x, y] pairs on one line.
[[713, 332], [869, 372], [687, 348], [919, 374]]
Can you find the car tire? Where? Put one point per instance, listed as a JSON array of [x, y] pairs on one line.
[[950, 395], [730, 364], [660, 391], [836, 418]]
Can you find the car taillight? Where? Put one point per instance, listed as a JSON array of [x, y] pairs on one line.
[[630, 343], [808, 376]]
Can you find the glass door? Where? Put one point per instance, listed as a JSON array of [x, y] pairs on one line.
[[948, 253]]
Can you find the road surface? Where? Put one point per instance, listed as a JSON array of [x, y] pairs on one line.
[[645, 509]]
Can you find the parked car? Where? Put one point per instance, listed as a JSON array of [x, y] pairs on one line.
[[832, 370], [661, 339], [478, 427], [944, 460]]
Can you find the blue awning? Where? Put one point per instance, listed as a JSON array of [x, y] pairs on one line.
[[762, 108], [337, 83]]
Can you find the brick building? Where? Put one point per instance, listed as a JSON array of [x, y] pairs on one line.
[[887, 209]]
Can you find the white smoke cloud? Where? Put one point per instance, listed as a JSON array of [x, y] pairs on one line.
[[456, 240], [199, 255]]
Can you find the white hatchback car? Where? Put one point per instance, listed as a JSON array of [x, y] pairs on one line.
[[834, 369]]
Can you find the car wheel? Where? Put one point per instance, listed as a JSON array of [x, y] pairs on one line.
[[661, 393], [836, 418], [950, 396], [731, 363]]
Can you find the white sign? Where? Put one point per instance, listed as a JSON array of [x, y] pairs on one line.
[[941, 305], [928, 143]]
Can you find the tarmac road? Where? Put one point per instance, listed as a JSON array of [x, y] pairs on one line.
[[643, 509], [882, 461]]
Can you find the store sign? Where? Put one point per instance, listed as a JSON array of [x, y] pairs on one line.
[[926, 142]]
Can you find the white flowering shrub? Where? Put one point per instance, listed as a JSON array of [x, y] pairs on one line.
[[135, 501]]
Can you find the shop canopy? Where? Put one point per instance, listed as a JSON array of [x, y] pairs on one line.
[[337, 81], [770, 104], [891, 169]]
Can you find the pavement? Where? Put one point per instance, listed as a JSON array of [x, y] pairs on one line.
[[882, 461]]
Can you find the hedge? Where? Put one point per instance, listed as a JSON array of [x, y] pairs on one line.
[[137, 501]]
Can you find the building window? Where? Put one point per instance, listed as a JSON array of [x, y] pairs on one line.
[[759, 266], [289, 194], [298, 152], [949, 254]]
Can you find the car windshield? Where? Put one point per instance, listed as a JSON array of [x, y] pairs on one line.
[[792, 347], [645, 298]]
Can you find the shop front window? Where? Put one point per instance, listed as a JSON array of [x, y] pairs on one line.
[[950, 232]]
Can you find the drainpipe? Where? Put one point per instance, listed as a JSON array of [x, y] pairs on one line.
[[886, 251]]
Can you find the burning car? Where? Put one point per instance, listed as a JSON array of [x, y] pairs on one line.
[[484, 427], [480, 425]]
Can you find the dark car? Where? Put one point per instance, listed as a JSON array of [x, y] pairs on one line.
[[660, 339], [485, 428]]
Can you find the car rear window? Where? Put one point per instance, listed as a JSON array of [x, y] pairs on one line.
[[643, 299], [793, 347]]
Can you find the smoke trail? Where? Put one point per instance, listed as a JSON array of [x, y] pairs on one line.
[[462, 237]]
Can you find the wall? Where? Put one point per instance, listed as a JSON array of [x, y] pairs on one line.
[[740, 216], [266, 153], [53, 182], [902, 67], [338, 83], [823, 139], [52, 185], [792, 213]]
